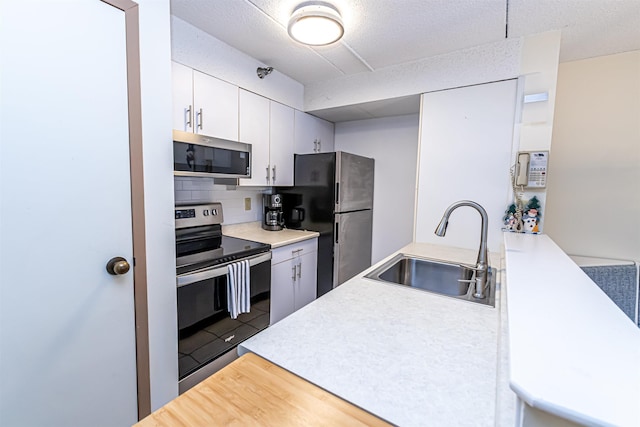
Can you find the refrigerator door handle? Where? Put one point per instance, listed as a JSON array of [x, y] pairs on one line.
[[337, 228], [337, 193]]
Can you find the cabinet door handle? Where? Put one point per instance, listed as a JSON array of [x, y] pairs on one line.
[[319, 146], [299, 270], [315, 145], [199, 119], [188, 116], [293, 273], [274, 174], [267, 177]]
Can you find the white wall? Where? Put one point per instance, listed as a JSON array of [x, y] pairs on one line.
[[480, 64], [155, 64], [393, 143], [196, 49], [594, 168], [465, 154], [534, 121]]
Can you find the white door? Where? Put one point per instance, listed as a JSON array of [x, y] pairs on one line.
[[66, 326]]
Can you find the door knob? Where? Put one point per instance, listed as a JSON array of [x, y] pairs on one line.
[[118, 266]]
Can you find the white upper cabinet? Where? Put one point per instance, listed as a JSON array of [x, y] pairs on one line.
[[281, 135], [182, 90], [326, 135], [203, 104], [254, 130], [268, 127], [312, 134]]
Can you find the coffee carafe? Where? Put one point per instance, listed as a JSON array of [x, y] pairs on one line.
[[273, 217]]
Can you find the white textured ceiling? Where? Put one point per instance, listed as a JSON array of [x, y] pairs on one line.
[[383, 33]]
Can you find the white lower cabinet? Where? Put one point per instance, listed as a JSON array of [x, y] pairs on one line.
[[293, 278]]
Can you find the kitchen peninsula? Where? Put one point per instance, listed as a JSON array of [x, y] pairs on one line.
[[573, 353], [413, 358], [409, 357]]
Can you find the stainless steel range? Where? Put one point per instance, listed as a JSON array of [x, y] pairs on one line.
[[207, 333]]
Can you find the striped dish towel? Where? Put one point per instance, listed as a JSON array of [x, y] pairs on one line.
[[238, 288]]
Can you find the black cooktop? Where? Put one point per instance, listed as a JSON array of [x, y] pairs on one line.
[[227, 249]]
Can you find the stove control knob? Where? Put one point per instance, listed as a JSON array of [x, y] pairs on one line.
[[205, 212]]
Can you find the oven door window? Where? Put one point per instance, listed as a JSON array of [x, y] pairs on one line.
[[205, 329]]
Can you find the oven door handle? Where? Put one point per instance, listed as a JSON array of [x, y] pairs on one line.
[[221, 270]]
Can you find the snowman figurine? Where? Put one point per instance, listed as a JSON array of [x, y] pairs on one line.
[[530, 220]]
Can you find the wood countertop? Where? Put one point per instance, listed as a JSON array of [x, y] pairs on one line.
[[253, 391]]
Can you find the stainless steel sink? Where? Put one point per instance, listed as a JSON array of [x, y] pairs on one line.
[[435, 276]]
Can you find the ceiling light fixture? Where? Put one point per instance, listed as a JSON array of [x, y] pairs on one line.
[[315, 24]]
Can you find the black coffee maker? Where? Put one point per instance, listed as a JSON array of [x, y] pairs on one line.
[[273, 217]]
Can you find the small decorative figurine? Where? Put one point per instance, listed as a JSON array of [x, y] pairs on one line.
[[532, 213], [509, 218], [523, 220]]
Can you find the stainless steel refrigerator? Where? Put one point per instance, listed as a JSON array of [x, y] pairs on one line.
[[333, 195]]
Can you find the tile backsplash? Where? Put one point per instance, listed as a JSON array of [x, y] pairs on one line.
[[203, 190]]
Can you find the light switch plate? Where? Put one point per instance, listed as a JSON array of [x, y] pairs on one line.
[[247, 203]]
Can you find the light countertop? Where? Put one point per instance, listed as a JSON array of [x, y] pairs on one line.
[[572, 351], [254, 231], [405, 355], [585, 261]]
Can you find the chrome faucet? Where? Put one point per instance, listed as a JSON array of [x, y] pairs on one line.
[[482, 263]]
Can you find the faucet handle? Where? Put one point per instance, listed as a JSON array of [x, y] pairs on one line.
[[476, 268]]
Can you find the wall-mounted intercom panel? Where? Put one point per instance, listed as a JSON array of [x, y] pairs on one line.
[[531, 169]]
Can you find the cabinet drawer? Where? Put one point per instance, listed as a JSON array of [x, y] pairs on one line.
[[285, 253]]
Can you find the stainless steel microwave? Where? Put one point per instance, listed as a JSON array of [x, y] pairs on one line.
[[200, 155]]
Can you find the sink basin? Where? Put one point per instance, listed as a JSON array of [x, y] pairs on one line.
[[441, 277]]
